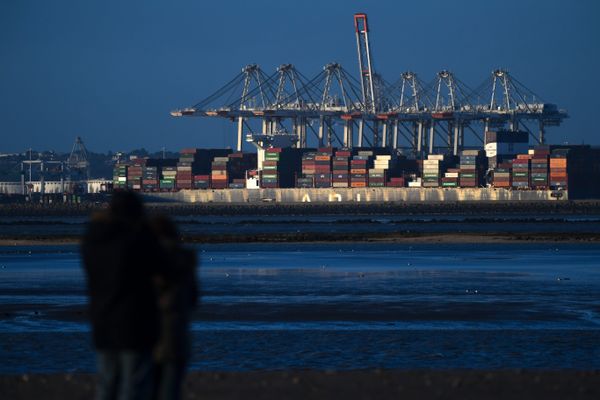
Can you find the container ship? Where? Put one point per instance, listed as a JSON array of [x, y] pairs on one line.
[[503, 171]]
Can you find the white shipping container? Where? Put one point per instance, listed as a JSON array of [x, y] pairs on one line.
[[491, 147], [451, 175], [506, 148], [435, 157], [252, 183]]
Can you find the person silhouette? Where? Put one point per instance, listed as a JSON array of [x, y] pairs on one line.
[[122, 258], [178, 294]]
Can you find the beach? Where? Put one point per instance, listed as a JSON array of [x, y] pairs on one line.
[[450, 305], [372, 384]]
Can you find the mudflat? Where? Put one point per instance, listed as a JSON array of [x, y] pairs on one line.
[[368, 384]]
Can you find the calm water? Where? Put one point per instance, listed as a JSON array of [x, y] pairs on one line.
[[275, 306], [255, 224]]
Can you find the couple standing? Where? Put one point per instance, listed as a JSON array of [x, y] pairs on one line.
[[142, 288]]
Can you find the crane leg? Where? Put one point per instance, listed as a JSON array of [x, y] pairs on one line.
[[361, 129], [240, 128]]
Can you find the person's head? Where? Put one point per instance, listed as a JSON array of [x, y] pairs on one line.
[[126, 205]]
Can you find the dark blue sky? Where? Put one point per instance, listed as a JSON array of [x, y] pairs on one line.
[[110, 71]]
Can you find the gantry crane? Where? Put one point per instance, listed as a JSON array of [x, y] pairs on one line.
[[411, 112]]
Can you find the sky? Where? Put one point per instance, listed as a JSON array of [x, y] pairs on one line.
[[111, 71]]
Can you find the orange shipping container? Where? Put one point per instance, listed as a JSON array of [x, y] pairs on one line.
[[322, 158], [558, 162], [558, 170], [358, 171], [358, 184]]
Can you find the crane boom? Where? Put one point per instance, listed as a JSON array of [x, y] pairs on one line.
[[365, 62]]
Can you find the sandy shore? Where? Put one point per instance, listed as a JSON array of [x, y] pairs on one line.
[[376, 384], [409, 238]]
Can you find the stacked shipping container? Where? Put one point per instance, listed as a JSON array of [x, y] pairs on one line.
[[520, 172], [201, 181], [378, 174], [150, 182], [219, 174], [238, 166], [539, 167], [397, 182], [120, 176], [502, 146], [308, 170], [135, 173], [168, 178], [451, 178], [470, 163], [325, 168], [322, 177], [359, 166], [502, 175], [432, 168], [341, 168], [184, 169], [270, 172], [558, 170]]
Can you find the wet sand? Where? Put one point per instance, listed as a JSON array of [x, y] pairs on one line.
[[409, 238], [373, 384]]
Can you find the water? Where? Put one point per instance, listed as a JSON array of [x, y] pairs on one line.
[[335, 306], [335, 224]]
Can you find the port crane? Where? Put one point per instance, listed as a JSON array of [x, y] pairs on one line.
[[409, 114]]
